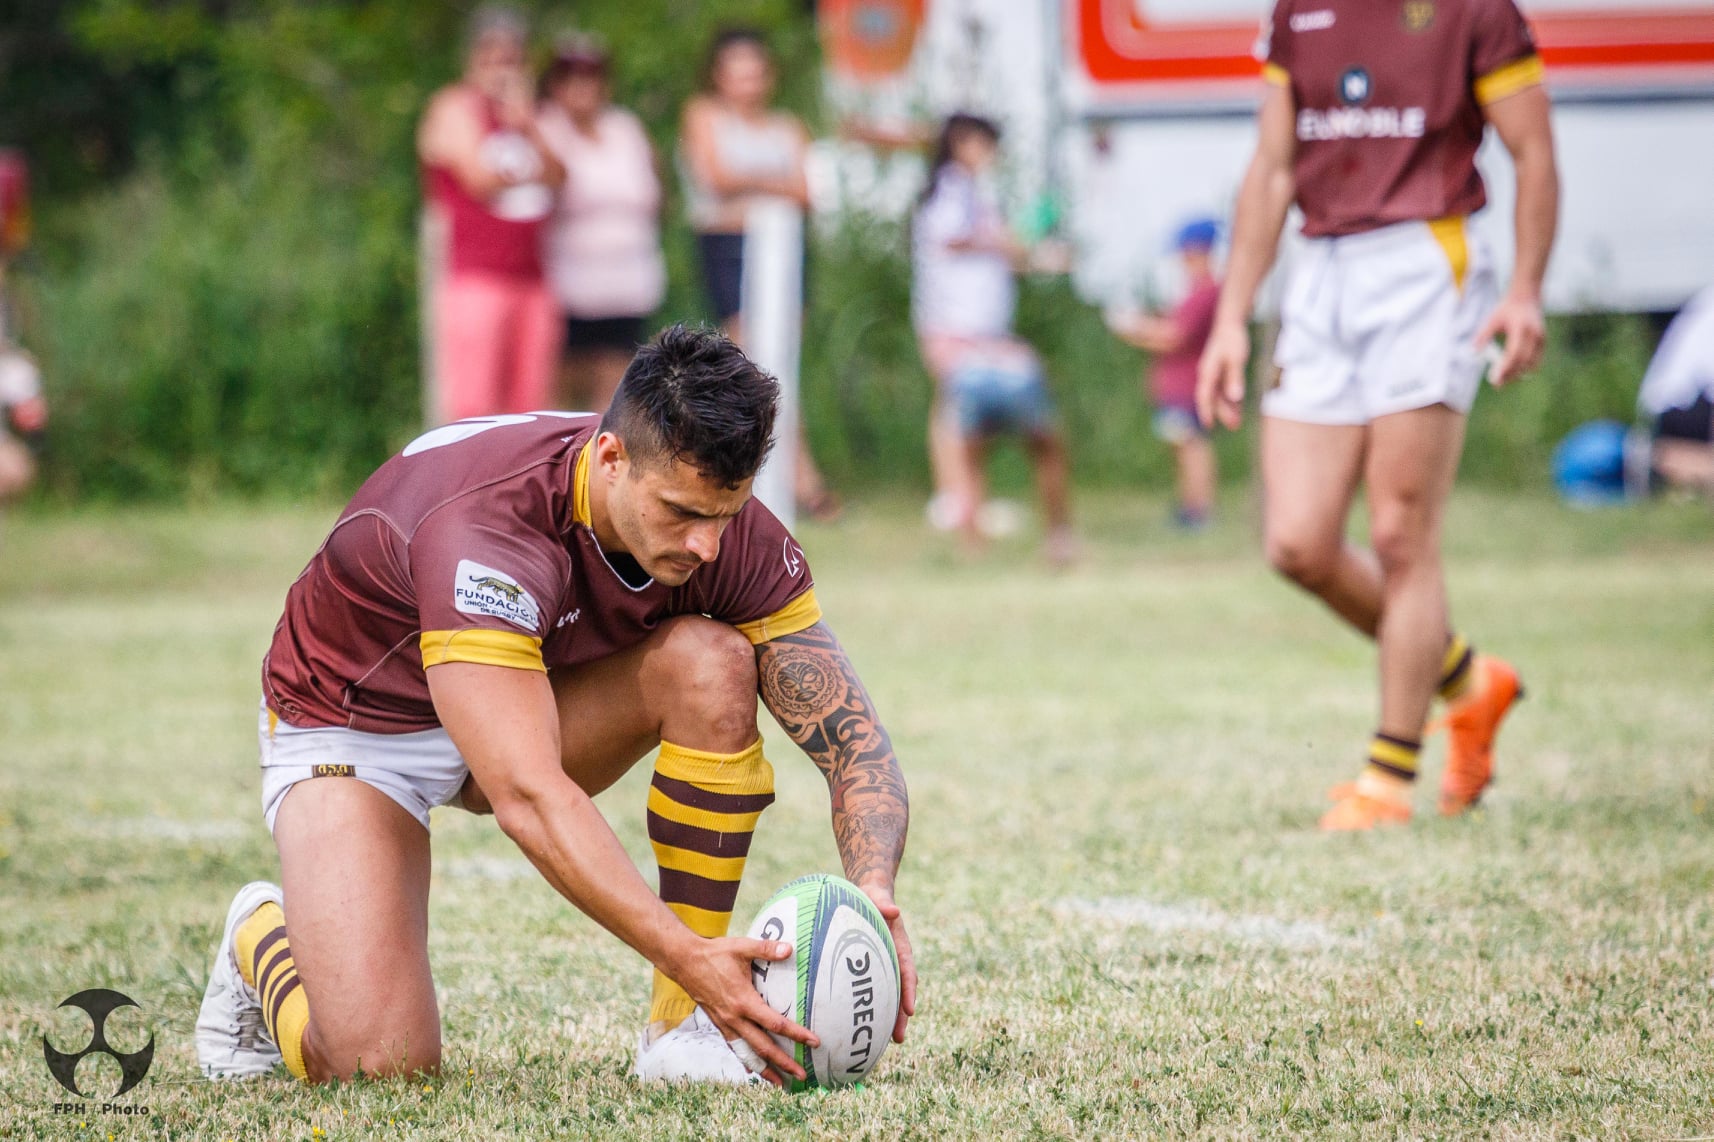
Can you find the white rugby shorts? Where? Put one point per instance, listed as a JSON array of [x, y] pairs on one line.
[[1383, 322], [417, 770]]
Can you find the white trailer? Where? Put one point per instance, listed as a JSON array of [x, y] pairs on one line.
[[1137, 114]]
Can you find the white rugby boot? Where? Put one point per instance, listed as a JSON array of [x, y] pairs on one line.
[[232, 1040], [693, 1052]]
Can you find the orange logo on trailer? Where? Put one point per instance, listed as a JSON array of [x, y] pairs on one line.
[[871, 39]]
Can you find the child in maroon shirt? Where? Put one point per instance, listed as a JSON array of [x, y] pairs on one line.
[[1176, 340]]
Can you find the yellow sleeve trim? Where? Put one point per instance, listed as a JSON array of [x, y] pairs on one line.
[[484, 647], [1510, 79], [801, 613], [1275, 74]]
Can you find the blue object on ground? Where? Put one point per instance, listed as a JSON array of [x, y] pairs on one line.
[[1589, 464]]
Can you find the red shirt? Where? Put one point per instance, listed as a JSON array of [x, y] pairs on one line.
[[503, 237], [1173, 381], [474, 545], [1389, 97]]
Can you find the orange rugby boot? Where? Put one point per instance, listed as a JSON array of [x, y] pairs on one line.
[[1358, 813], [1471, 726]]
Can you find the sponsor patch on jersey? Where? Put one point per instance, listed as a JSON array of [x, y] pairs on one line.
[[1317, 21], [479, 590], [1361, 123], [1418, 15], [1354, 86]]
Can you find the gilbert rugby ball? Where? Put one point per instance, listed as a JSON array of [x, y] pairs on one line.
[[842, 981]]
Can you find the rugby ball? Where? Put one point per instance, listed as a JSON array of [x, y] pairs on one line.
[[841, 982]]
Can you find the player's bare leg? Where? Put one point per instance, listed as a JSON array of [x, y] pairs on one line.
[[355, 872], [691, 689], [1309, 478], [1413, 458], [1411, 462], [343, 985]]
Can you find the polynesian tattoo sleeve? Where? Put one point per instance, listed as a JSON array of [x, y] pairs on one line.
[[809, 685]]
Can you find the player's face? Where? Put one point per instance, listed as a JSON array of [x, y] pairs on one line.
[[670, 518]]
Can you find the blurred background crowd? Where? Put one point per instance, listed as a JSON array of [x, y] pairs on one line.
[[256, 247]]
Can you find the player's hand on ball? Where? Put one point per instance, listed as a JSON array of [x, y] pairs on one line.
[[882, 897], [718, 977], [1518, 320], [1220, 376]]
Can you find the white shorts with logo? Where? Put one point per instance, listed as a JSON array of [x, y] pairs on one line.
[[417, 770], [1383, 322]]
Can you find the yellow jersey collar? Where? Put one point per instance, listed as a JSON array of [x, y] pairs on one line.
[[580, 487]]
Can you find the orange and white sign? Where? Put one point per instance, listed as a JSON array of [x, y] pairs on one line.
[[1160, 53], [868, 40]]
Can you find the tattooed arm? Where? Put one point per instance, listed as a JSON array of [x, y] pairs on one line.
[[814, 693]]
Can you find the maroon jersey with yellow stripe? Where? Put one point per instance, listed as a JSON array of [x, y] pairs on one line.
[[1389, 97], [474, 545]]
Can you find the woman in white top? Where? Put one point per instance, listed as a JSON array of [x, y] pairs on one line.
[[735, 148], [603, 244]]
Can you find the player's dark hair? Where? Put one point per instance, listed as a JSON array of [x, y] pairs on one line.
[[692, 395], [958, 126]]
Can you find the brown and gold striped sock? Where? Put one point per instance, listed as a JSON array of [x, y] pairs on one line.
[[265, 962], [1457, 669], [703, 809], [1391, 759]]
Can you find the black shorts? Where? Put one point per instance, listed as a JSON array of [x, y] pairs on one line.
[[604, 333], [722, 258], [1693, 422], [723, 272]]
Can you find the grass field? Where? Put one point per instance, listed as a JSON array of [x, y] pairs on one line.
[[1125, 921]]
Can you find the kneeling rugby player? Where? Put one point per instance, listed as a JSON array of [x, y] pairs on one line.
[[507, 616]]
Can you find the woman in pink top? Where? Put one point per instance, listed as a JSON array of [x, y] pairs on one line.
[[603, 250], [490, 182]]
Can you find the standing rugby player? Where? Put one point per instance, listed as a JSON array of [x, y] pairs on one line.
[[508, 616], [1372, 116]]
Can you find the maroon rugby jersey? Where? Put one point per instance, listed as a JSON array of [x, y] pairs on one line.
[[1389, 97], [474, 545]]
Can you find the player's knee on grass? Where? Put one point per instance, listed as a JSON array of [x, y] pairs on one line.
[[383, 1049], [703, 680]]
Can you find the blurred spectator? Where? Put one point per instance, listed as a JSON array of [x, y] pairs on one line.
[[1677, 398], [988, 381], [1177, 340], [23, 417], [23, 410], [492, 178], [603, 248], [737, 148]]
